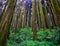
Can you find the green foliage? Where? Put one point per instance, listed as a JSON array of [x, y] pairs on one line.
[[32, 43], [41, 35], [12, 43], [56, 33], [24, 36], [21, 35], [28, 43], [45, 35]]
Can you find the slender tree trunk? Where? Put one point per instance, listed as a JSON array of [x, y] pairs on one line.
[[39, 19], [42, 15], [46, 14], [34, 20], [51, 15], [24, 17], [53, 12], [57, 10], [20, 16], [29, 17], [31, 21]]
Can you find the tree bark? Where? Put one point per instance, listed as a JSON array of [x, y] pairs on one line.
[[39, 17], [57, 9], [47, 17], [7, 22], [42, 15], [34, 20], [20, 15], [24, 17], [53, 12]]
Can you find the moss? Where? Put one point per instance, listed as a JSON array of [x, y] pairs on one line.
[[42, 15]]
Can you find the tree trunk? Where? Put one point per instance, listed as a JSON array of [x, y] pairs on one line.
[[42, 15], [24, 25], [53, 12], [3, 16], [34, 20], [39, 17], [57, 9], [20, 15], [47, 17], [7, 22]]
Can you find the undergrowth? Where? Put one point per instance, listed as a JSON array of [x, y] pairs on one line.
[[24, 37]]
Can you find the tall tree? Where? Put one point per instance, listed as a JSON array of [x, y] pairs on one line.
[[46, 14], [20, 16], [56, 6], [5, 27], [57, 10], [53, 12], [42, 14], [50, 11], [25, 17], [38, 16], [34, 20], [4, 11]]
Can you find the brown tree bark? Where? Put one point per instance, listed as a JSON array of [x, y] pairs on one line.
[[5, 27], [42, 14], [34, 20]]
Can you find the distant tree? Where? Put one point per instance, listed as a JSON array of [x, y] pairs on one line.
[[20, 15], [54, 8], [46, 15], [24, 25]]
